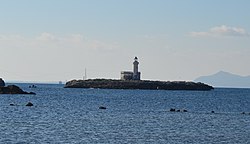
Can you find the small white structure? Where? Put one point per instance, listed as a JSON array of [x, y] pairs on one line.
[[135, 75]]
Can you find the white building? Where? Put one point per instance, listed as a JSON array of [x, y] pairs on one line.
[[129, 75]]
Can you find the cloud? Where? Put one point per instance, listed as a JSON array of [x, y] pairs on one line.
[[46, 37], [49, 40], [9, 37], [223, 31]]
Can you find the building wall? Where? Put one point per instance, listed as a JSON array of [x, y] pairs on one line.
[[126, 75]]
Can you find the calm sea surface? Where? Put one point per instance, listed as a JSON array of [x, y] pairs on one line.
[[62, 115]]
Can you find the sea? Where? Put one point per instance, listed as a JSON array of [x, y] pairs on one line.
[[69, 115]]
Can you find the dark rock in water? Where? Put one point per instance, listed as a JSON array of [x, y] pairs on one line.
[[13, 89], [243, 113], [32, 86], [12, 104], [184, 110], [177, 110], [212, 111], [2, 83], [32, 93], [102, 107], [29, 104], [172, 110]]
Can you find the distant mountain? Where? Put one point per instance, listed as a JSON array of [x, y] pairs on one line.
[[225, 79]]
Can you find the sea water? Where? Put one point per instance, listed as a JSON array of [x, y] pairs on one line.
[[61, 115]]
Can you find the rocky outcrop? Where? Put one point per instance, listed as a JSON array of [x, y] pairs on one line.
[[137, 84], [2, 83], [13, 89], [102, 107], [29, 104], [177, 110]]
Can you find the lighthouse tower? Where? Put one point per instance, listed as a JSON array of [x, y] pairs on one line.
[[136, 73], [132, 75]]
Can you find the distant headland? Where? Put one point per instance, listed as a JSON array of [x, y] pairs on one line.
[[226, 79], [132, 80]]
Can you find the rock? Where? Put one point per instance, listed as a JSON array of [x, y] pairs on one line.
[[172, 110], [13, 89], [212, 111], [29, 104], [178, 111], [184, 110], [12, 104], [102, 107], [32, 93], [243, 113], [32, 86], [2, 83]]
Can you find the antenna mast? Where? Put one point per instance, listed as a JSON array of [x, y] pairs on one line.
[[85, 75]]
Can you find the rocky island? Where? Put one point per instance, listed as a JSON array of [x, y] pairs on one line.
[[137, 84], [11, 89], [132, 80]]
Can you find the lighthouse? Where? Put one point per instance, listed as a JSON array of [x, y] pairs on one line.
[[129, 75], [136, 73]]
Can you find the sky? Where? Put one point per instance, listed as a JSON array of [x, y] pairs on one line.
[[56, 40]]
